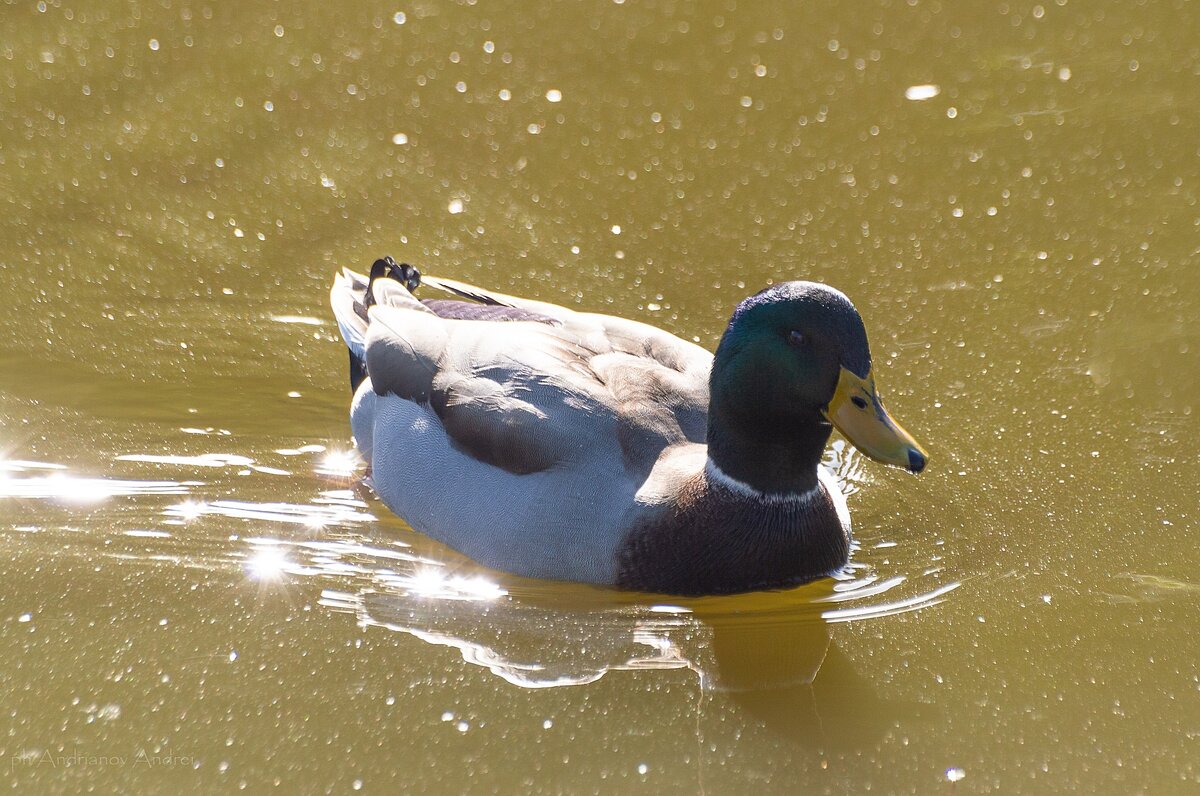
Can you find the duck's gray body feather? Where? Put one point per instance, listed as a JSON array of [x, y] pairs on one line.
[[532, 446]]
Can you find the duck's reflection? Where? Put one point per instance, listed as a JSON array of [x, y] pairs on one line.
[[781, 669], [791, 677]]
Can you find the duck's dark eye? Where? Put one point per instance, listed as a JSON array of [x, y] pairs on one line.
[[796, 338], [858, 401]]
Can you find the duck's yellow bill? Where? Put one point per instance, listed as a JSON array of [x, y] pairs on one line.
[[857, 412]]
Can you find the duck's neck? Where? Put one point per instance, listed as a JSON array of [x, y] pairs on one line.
[[753, 449]]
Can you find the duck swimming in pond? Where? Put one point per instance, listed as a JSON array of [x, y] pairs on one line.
[[578, 446]]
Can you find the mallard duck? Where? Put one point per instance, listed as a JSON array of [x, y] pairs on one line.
[[577, 446]]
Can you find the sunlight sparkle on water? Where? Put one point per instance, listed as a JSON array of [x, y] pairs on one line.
[[430, 582], [305, 320], [317, 521], [923, 92], [79, 490], [338, 463], [187, 510], [267, 563]]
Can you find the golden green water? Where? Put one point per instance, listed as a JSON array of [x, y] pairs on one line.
[[198, 596]]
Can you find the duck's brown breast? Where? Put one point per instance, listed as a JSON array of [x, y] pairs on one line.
[[715, 541]]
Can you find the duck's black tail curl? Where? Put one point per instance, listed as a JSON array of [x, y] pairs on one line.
[[388, 268]]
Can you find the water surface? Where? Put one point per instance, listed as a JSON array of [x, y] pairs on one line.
[[200, 594]]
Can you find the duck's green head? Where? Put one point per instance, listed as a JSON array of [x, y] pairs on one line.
[[793, 360]]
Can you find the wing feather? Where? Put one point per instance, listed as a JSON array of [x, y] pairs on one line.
[[530, 396]]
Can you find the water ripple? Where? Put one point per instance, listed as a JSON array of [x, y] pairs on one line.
[[533, 634], [76, 489], [329, 512]]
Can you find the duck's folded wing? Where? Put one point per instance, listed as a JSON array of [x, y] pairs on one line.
[[494, 298], [602, 332], [528, 397], [517, 396], [526, 385]]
